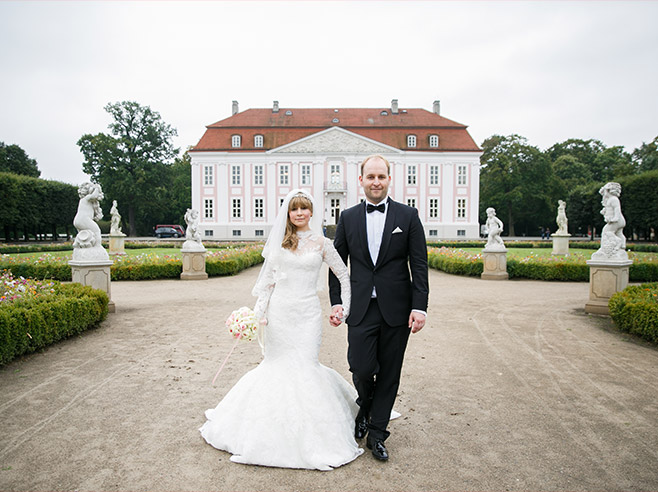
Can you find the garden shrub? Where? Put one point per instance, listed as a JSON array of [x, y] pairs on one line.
[[33, 322], [635, 310]]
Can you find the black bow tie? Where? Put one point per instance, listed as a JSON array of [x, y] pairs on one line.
[[370, 208]]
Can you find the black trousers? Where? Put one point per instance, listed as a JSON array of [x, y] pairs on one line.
[[375, 354]]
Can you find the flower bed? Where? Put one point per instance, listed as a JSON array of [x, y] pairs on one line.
[[36, 314], [635, 310], [145, 266], [572, 268]]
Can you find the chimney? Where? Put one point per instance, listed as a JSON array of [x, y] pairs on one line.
[[394, 106], [235, 107], [437, 107], [275, 107]]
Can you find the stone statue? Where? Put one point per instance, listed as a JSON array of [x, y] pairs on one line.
[[115, 227], [87, 245], [495, 229], [562, 222], [192, 234], [613, 241]]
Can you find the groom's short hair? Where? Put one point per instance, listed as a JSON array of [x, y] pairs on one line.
[[373, 156]]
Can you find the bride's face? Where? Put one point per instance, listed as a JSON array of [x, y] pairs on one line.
[[300, 218]]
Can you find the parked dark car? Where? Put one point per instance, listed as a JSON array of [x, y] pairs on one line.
[[179, 228], [167, 232]]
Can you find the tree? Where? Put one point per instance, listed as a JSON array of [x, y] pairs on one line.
[[586, 152], [131, 163], [13, 159], [646, 157], [517, 180]]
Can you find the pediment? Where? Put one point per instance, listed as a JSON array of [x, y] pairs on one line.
[[335, 140]]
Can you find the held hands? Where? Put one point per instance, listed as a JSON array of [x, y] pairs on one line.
[[416, 321], [336, 316]]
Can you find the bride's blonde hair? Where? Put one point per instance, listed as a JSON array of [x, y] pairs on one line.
[[290, 238]]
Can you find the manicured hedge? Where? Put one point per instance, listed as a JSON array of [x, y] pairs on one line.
[[555, 270], [565, 269], [635, 310], [30, 324]]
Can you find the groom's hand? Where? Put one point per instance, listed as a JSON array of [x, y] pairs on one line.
[[416, 321], [336, 316]]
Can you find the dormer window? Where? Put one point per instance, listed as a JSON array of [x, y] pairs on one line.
[[434, 141], [236, 141], [411, 140], [258, 141]]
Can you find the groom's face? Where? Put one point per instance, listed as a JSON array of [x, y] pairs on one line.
[[375, 180]]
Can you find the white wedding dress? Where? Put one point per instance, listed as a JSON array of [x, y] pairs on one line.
[[290, 411]]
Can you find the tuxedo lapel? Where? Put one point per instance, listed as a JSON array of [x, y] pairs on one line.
[[388, 230], [363, 232]]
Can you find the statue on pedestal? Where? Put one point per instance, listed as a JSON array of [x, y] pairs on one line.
[[495, 229], [192, 234], [562, 222], [115, 227], [87, 245], [613, 241]]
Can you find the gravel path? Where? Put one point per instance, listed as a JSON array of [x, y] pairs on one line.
[[510, 386]]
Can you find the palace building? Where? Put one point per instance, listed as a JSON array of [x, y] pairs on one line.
[[245, 165]]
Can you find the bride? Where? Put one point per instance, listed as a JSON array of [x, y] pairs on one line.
[[290, 411]]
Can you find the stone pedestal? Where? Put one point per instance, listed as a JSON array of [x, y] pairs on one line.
[[605, 279], [495, 265], [561, 244], [116, 245], [96, 275], [194, 265]]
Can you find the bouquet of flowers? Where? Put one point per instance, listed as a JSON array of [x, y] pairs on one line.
[[242, 324]]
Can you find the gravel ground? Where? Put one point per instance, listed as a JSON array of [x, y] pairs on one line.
[[510, 386]]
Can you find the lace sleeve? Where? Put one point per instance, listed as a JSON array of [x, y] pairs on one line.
[[263, 289], [335, 262]]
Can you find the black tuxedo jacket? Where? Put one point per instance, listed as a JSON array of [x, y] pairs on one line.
[[400, 275]]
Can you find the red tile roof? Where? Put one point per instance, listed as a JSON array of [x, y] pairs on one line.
[[291, 124]]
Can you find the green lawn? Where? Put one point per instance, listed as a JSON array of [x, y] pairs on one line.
[[584, 253], [129, 252]]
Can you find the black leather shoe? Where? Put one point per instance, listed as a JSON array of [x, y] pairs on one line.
[[378, 449], [360, 427]]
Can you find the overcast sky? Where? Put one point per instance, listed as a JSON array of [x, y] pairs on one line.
[[546, 70]]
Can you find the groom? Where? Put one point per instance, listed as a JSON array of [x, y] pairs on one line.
[[384, 241]]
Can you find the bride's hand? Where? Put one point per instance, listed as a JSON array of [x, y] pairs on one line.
[[263, 321]]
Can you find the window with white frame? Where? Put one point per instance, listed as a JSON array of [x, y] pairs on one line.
[[434, 141], [281, 200], [412, 171], [306, 174], [208, 233], [461, 208], [235, 175], [207, 176], [236, 141], [258, 208], [208, 208], [237, 232], [411, 140], [461, 232], [434, 175], [434, 232], [461, 175], [236, 209], [258, 174], [259, 232], [258, 141], [284, 174], [434, 208], [411, 202]]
